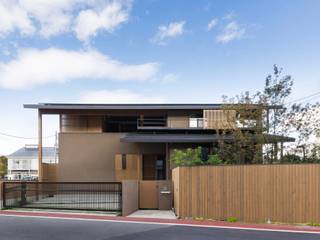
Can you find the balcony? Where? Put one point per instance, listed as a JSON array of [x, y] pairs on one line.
[[171, 123]]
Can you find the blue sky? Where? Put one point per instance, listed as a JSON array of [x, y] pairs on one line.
[[147, 51]]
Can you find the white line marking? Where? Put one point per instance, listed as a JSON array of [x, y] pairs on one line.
[[168, 224]]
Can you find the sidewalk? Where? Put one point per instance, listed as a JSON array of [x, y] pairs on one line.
[[177, 222]]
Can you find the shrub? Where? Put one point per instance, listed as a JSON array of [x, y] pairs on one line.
[[291, 158], [186, 157], [214, 160]]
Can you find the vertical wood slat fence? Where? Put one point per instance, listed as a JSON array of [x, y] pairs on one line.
[[252, 193]]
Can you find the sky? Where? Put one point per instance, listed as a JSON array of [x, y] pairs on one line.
[[146, 51]]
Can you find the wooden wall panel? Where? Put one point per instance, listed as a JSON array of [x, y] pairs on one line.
[[50, 172], [178, 121], [220, 119], [252, 193], [176, 192], [79, 123], [133, 169]]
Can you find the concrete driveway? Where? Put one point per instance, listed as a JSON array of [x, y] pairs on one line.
[[24, 228]]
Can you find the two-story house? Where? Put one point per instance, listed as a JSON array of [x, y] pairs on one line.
[[113, 142], [116, 142], [23, 163]]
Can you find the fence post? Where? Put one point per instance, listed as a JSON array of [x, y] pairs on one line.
[[23, 194], [3, 196]]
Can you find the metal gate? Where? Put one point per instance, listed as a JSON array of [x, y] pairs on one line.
[[102, 196]]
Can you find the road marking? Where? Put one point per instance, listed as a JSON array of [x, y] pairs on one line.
[[168, 224]]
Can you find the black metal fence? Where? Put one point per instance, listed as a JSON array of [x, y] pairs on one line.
[[102, 196]]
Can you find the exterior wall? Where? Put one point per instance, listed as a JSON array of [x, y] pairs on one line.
[[252, 193], [130, 196], [90, 157]]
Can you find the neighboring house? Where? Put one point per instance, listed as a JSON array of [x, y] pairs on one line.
[[23, 163], [115, 142]]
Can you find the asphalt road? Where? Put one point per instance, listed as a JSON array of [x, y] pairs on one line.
[[21, 228]]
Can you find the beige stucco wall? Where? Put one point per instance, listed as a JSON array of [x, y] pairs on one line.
[[130, 196], [89, 157]]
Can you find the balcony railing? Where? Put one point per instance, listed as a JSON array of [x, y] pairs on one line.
[[152, 123], [161, 123]]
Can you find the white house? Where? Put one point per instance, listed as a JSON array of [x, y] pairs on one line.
[[23, 163]]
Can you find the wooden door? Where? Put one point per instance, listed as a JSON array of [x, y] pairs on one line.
[[148, 194]]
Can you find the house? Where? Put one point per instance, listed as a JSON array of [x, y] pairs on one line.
[[116, 142], [23, 163]]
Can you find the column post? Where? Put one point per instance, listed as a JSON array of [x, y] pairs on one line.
[[40, 170]]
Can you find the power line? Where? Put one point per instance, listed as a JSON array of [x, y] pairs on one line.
[[303, 98], [14, 136]]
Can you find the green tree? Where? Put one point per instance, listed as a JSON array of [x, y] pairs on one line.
[[254, 117], [193, 157], [3, 166], [186, 157]]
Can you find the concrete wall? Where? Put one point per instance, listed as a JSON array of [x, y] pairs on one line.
[[89, 157], [130, 196]]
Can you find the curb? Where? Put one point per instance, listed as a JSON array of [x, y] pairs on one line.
[[175, 222]]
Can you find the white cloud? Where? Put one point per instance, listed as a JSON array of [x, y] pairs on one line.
[[90, 21], [230, 15], [212, 24], [169, 78], [12, 18], [37, 67], [118, 96], [53, 17], [166, 32], [232, 31]]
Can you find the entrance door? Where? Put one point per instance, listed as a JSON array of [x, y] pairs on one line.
[[153, 170], [155, 194], [148, 194], [154, 167]]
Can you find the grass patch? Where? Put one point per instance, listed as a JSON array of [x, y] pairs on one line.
[[312, 224], [232, 219]]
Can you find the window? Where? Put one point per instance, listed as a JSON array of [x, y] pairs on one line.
[[124, 161], [120, 124]]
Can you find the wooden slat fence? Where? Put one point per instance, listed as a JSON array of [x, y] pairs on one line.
[[252, 193]]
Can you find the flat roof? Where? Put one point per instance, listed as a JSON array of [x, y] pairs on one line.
[[166, 106], [192, 138]]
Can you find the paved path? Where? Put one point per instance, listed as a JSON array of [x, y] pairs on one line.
[[38, 228]]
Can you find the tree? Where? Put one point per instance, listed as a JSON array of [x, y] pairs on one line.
[[258, 120], [304, 119], [186, 157], [193, 157], [276, 91], [300, 120], [3, 166]]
